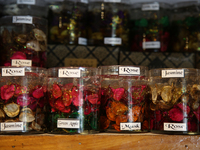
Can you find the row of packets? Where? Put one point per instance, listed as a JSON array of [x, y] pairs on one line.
[[85, 100]]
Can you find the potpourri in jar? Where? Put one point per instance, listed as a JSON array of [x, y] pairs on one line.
[[149, 26], [108, 22], [124, 99], [23, 100], [174, 95], [68, 22], [184, 28], [23, 41], [74, 100]]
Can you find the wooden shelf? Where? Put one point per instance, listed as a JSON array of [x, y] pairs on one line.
[[145, 141]]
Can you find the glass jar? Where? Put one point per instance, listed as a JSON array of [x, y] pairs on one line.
[[37, 8], [174, 100], [23, 41], [185, 35], [74, 99], [124, 105], [68, 22], [23, 100], [149, 26], [108, 22]]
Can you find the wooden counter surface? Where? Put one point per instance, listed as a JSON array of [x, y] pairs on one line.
[[145, 141]]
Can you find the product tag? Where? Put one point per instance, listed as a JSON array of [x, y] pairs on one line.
[[130, 126], [84, 1], [112, 40], [129, 71], [22, 19], [176, 73], [11, 126], [152, 6], [68, 123], [82, 41], [13, 72], [175, 127], [113, 1], [69, 73], [151, 44], [28, 2], [21, 62]]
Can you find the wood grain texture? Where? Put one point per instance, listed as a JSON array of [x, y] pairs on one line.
[[146, 141]]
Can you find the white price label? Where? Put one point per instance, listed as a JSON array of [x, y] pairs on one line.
[[149, 7], [69, 73], [113, 1], [22, 19], [82, 41], [84, 1], [175, 127], [112, 40], [13, 72], [130, 126], [129, 71], [176, 73], [21, 62], [28, 2], [68, 123], [151, 44], [12, 126]]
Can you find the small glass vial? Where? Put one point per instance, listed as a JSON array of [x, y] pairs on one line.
[[74, 98], [124, 99], [174, 96], [68, 22], [108, 22], [37, 8], [149, 26], [185, 36], [23, 100], [23, 41]]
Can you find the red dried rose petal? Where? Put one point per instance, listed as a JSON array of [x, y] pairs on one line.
[[118, 93], [77, 101], [66, 110], [68, 86], [94, 108], [38, 93], [7, 91], [158, 115], [176, 114], [18, 55], [33, 103], [197, 113], [137, 93], [56, 91], [184, 108], [77, 97], [51, 102], [35, 59], [87, 110], [192, 126], [7, 64], [60, 106], [74, 92], [93, 99], [53, 110], [23, 100], [41, 102], [67, 99]]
